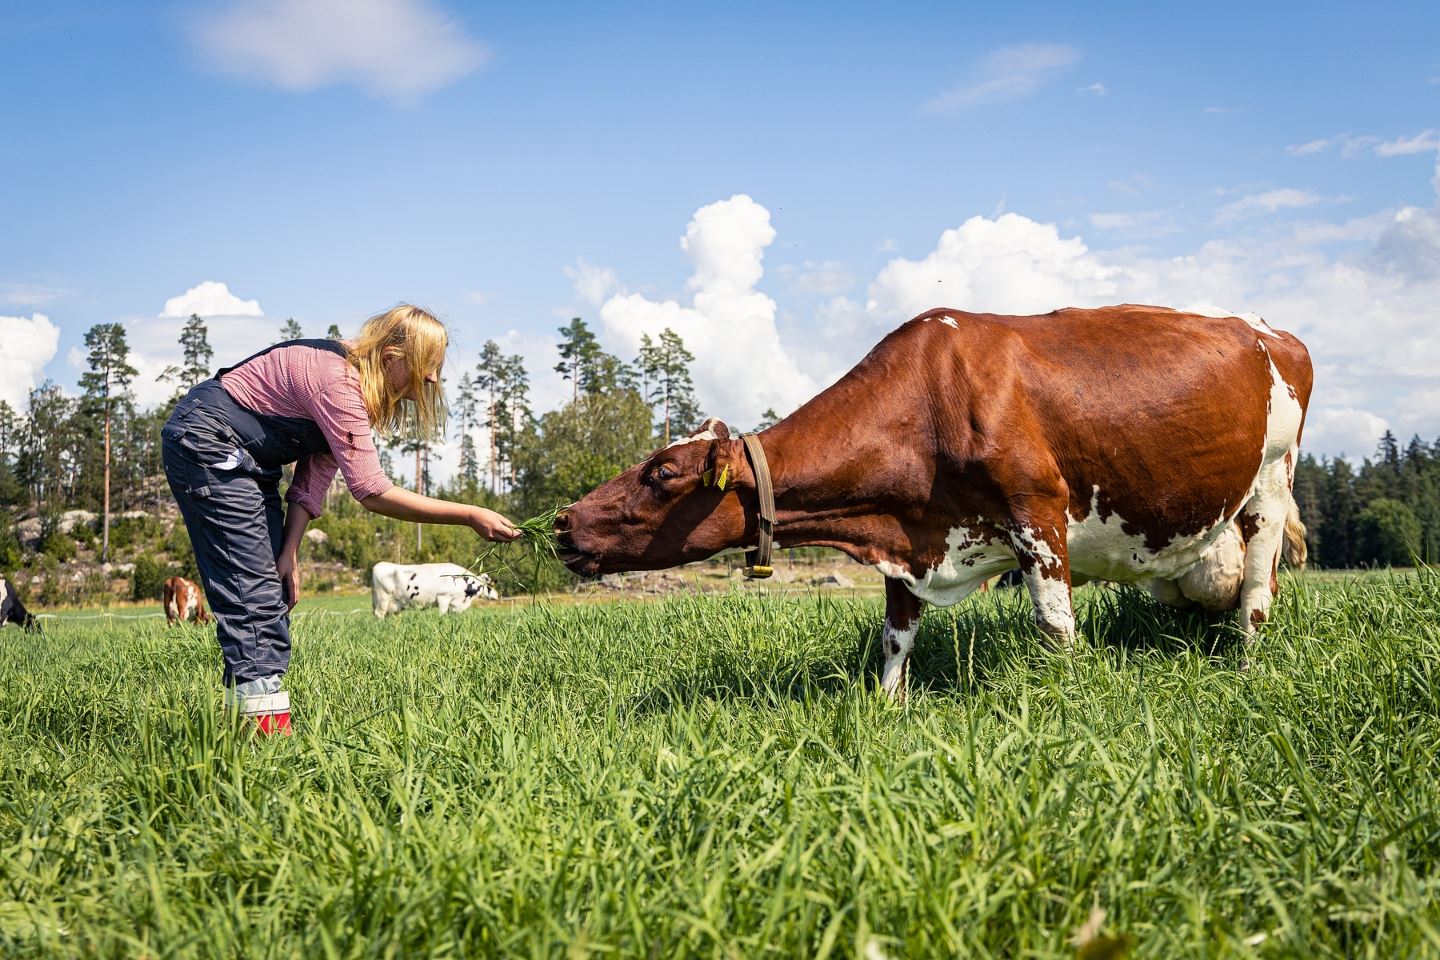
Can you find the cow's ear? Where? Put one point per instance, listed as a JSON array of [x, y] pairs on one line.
[[715, 426], [719, 470]]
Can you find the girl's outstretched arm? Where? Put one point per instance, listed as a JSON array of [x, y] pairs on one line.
[[402, 504]]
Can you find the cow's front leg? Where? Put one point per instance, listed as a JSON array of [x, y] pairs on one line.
[[902, 623], [1045, 566]]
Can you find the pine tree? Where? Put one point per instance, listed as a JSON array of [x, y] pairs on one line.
[[664, 368], [109, 377], [489, 375], [334, 333], [466, 402], [198, 357], [290, 331], [514, 414], [579, 353]]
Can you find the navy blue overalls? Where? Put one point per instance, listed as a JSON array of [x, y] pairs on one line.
[[223, 462]]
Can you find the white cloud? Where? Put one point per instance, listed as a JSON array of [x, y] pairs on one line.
[[211, 299], [1306, 149], [1420, 410], [825, 277], [1426, 141], [29, 344], [1267, 202], [30, 294], [741, 367], [1214, 110], [593, 285], [1007, 73], [1009, 264], [1352, 145], [1343, 431], [1147, 223], [1133, 186], [399, 50], [1095, 89]]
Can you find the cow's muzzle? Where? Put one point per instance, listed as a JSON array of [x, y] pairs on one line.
[[575, 559]]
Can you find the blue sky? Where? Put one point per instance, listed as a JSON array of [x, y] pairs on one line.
[[510, 168]]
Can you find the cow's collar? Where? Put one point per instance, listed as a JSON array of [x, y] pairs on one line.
[[757, 561]]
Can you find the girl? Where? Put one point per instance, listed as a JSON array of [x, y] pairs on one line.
[[312, 403]]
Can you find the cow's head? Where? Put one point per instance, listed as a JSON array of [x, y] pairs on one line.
[[481, 586], [682, 503]]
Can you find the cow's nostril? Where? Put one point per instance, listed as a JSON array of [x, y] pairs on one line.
[[562, 522]]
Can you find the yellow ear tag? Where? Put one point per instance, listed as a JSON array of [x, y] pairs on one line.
[[707, 478], [724, 477]]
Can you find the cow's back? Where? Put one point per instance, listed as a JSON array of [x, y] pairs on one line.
[[1158, 416]]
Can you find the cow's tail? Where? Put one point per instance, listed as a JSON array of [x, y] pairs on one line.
[[1296, 553]]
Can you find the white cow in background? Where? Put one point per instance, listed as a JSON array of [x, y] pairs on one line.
[[449, 586]]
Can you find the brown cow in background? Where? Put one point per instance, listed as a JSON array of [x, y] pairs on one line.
[[184, 602], [1130, 443]]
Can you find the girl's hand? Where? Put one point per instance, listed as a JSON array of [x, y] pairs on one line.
[[492, 526], [288, 566]]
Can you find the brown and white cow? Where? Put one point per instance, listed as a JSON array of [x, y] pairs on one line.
[[184, 602], [1120, 443]]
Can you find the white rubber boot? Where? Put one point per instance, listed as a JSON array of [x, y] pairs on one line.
[[264, 702]]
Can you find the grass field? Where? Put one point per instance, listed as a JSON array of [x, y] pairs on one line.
[[716, 776]]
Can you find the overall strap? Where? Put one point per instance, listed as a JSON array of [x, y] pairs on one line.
[[334, 346]]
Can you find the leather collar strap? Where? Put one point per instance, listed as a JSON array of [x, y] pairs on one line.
[[758, 560]]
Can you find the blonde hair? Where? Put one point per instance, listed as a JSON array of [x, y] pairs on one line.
[[410, 332]]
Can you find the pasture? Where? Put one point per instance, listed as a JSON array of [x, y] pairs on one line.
[[717, 776]]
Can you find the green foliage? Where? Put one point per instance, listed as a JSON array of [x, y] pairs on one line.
[[147, 581], [584, 444], [11, 553], [1389, 532], [58, 546], [126, 532], [719, 777]]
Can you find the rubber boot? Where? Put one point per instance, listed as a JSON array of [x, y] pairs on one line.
[[263, 702]]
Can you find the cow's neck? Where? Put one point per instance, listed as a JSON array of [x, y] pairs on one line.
[[839, 466]]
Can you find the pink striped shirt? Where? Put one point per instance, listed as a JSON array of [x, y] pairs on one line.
[[320, 386]]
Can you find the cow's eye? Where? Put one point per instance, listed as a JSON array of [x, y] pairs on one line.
[[666, 472]]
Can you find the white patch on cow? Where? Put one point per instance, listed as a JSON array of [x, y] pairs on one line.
[[172, 609], [1053, 612], [897, 644], [192, 604], [1255, 321], [1214, 582], [949, 322], [970, 559], [1101, 549], [702, 436], [1282, 425]]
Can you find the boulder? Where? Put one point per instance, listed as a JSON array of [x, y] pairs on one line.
[[317, 538], [28, 531], [835, 579], [71, 519]]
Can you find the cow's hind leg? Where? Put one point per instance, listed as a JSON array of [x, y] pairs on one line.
[[1045, 567], [902, 623], [1262, 524]]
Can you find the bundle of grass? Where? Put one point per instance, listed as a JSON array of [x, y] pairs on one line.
[[536, 545]]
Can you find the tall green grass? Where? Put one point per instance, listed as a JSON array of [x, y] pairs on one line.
[[717, 776]]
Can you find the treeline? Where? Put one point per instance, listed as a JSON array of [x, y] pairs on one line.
[[1385, 512]]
